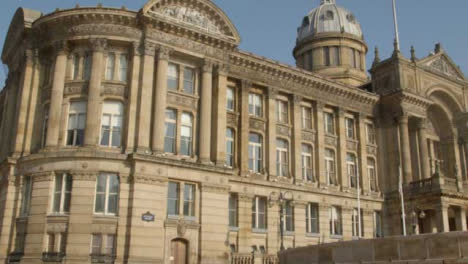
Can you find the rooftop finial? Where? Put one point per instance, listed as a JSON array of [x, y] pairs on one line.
[[413, 54], [376, 56], [328, 2]]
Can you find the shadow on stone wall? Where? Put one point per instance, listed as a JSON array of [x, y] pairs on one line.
[[429, 248]]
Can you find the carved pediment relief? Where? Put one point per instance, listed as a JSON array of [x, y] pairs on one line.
[[444, 65], [199, 15]]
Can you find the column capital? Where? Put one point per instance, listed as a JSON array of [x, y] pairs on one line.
[[30, 56], [246, 197], [98, 44], [341, 112], [61, 47], [361, 116], [222, 69], [246, 85], [422, 124], [272, 92], [297, 98], [164, 53], [207, 66], [136, 48], [148, 48], [320, 106], [403, 118]]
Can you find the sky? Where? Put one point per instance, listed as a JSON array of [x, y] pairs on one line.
[[268, 27]]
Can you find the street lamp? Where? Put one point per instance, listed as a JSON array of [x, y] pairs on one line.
[[281, 198]]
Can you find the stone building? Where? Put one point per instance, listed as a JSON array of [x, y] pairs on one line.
[[149, 137]]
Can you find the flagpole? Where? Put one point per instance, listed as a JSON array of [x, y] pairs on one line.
[[395, 22], [402, 198]]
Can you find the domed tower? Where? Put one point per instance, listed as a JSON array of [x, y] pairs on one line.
[[330, 42]]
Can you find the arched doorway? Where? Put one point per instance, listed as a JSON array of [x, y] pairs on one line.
[[179, 251]]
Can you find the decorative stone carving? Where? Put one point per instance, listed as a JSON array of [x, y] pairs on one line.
[[443, 66], [232, 119], [297, 99], [272, 93], [149, 48], [308, 136], [43, 176], [331, 141], [104, 228], [188, 16], [104, 30], [76, 89], [372, 150], [137, 49], [164, 53], [181, 228], [98, 44], [223, 69], [61, 46], [181, 100], [84, 175], [283, 130], [55, 228], [149, 179], [214, 188], [351, 145], [257, 124], [114, 90], [207, 66]]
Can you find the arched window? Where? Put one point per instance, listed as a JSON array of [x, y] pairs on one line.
[[282, 158], [330, 166], [170, 133], [371, 171], [307, 167], [186, 136], [351, 169]]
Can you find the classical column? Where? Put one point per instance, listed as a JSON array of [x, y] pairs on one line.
[[56, 96], [442, 218], [297, 139], [270, 147], [300, 224], [24, 91], [463, 219], [205, 112], [134, 82], [34, 110], [245, 222], [244, 128], [405, 152], [320, 146], [146, 94], [364, 177], [93, 116], [219, 129], [160, 100], [342, 172], [423, 151]]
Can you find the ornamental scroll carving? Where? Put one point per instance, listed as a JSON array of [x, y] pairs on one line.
[[308, 136], [257, 124], [232, 119], [351, 145], [188, 16], [372, 150], [331, 141], [188, 102], [105, 29]]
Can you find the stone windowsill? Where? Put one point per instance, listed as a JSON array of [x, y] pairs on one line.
[[289, 233], [317, 235], [234, 229], [182, 93], [105, 219], [338, 237], [259, 231], [58, 217]]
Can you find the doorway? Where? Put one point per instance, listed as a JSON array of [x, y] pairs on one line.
[[179, 251]]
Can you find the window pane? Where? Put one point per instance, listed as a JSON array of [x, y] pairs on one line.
[[123, 68], [110, 66], [188, 80], [100, 200], [173, 198], [230, 99], [112, 203], [113, 184], [96, 244], [172, 77], [101, 183]]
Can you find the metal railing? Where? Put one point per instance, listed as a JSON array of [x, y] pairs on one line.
[[237, 258], [270, 259]]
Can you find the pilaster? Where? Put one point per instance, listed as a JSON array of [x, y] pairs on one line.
[[146, 95], [244, 128], [364, 180], [300, 222], [56, 97], [297, 139], [33, 110], [134, 83], [320, 146], [94, 104], [206, 110], [405, 152], [423, 151], [245, 221], [219, 128], [341, 165], [270, 148]]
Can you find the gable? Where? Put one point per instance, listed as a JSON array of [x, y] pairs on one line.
[[201, 16], [442, 63]]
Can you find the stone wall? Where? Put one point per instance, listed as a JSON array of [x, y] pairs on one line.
[[431, 248]]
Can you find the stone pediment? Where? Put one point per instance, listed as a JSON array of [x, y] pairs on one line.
[[201, 16], [442, 63]]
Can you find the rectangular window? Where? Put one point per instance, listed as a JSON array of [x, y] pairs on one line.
[[335, 220], [107, 194], [230, 99], [189, 76], [26, 199], [352, 58], [103, 245], [282, 111], [76, 67], [307, 170], [51, 243], [123, 68], [329, 123], [255, 153], [335, 56], [233, 205], [357, 59], [370, 133], [288, 213], [170, 133], [372, 174], [110, 66], [173, 195], [312, 218], [230, 147], [96, 244], [356, 221], [378, 230], [351, 169], [330, 166], [110, 245], [186, 134], [111, 124], [259, 213], [282, 158], [255, 105], [326, 56], [306, 117], [173, 77], [87, 67], [62, 193], [56, 242], [76, 123], [350, 127], [189, 200]]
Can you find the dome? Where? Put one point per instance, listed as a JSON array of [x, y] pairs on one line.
[[329, 17]]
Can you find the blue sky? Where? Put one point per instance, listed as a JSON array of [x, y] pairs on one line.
[[268, 27]]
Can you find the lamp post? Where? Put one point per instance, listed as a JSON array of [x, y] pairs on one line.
[[282, 198]]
